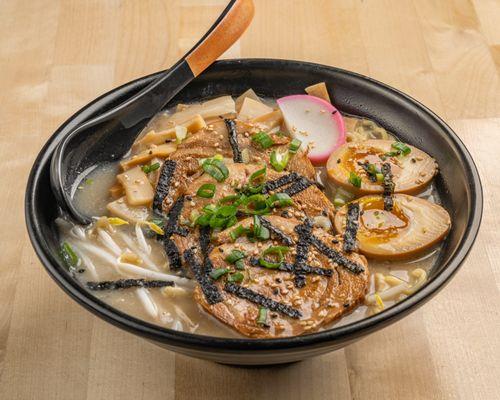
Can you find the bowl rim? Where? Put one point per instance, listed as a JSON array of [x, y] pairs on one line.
[[204, 342]]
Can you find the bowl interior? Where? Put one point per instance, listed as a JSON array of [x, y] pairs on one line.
[[458, 183]]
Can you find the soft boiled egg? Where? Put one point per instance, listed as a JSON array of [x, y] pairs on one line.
[[412, 169], [412, 226]]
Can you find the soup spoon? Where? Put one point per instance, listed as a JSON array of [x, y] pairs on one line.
[[108, 136]]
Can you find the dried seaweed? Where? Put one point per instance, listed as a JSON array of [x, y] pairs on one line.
[[128, 283], [352, 226]]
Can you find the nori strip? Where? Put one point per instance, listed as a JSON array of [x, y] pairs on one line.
[[128, 283], [352, 226], [163, 187], [281, 181], [388, 187], [233, 140], [172, 226], [336, 256], [261, 300], [371, 176], [305, 269], [200, 272], [305, 232], [173, 254], [298, 186], [278, 233], [205, 240]]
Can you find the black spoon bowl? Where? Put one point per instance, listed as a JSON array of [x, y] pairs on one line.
[[458, 185], [108, 136]]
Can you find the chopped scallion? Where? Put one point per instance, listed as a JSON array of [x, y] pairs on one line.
[[68, 255], [262, 317], [294, 146], [206, 191], [150, 168], [279, 161], [355, 179], [279, 200], [216, 169], [234, 256], [236, 277], [263, 139], [217, 273]]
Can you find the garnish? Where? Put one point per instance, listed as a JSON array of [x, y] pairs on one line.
[[150, 168], [128, 283], [263, 139], [388, 187], [218, 216], [374, 174], [261, 300], [117, 221], [259, 232], [68, 255], [351, 229], [279, 200], [206, 191], [238, 231], [354, 179], [236, 257], [294, 146], [262, 318], [233, 140], [279, 161], [256, 204], [277, 251], [400, 148], [342, 197], [217, 273], [215, 168], [256, 181], [236, 277], [155, 227]]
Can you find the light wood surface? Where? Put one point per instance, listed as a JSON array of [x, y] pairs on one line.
[[56, 55]]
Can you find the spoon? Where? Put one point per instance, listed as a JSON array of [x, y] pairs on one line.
[[108, 136]]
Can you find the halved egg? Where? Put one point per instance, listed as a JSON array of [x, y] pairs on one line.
[[413, 225], [412, 169]]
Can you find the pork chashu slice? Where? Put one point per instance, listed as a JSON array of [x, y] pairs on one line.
[[215, 140], [309, 202], [320, 301]]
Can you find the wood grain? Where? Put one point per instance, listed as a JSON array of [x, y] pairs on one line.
[[56, 55]]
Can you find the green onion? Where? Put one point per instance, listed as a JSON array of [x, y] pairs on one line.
[[402, 148], [89, 181], [294, 146], [262, 318], [238, 231], [216, 169], [256, 204], [206, 190], [263, 139], [273, 250], [234, 256], [379, 177], [150, 168], [260, 232], [240, 264], [342, 197], [237, 277], [217, 273], [256, 181], [68, 255], [234, 199], [355, 179], [279, 200], [279, 161]]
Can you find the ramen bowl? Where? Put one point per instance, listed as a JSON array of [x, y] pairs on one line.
[[458, 186]]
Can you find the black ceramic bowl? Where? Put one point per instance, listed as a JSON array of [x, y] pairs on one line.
[[458, 184]]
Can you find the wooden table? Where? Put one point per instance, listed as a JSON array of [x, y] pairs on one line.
[[56, 55]]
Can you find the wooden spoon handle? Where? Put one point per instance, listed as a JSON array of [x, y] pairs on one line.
[[222, 35]]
